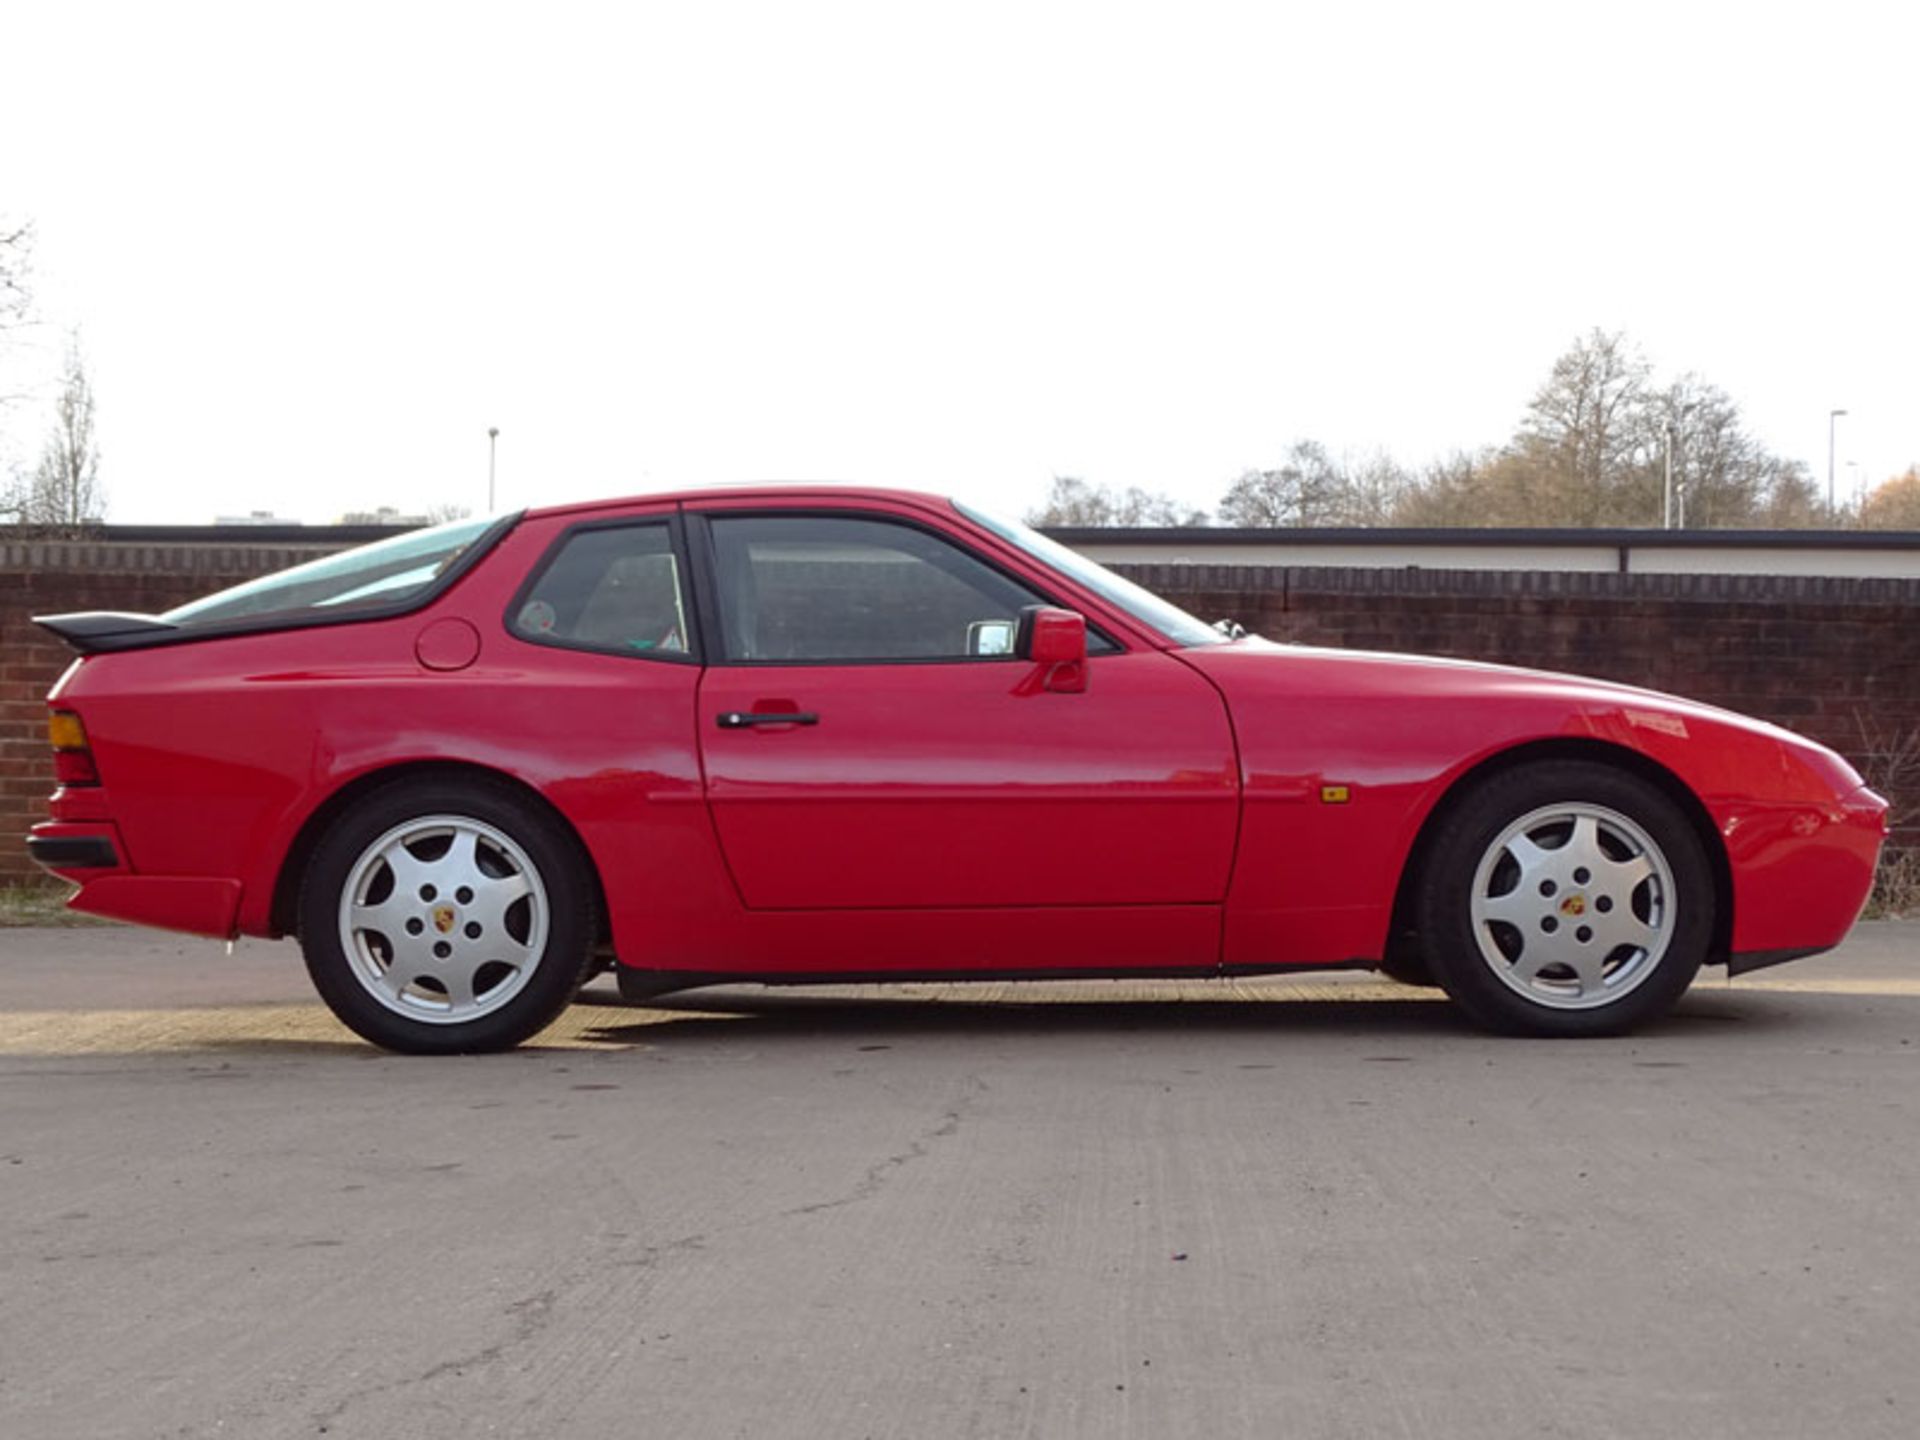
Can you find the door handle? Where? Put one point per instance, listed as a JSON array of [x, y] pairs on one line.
[[743, 719]]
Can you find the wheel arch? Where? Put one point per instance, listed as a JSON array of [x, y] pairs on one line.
[[286, 887], [1402, 932]]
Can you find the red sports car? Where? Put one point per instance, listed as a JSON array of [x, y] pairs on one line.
[[788, 735]]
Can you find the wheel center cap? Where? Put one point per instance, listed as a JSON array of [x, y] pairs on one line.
[[1574, 905], [443, 918]]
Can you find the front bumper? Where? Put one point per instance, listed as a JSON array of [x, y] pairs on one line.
[[1801, 873]]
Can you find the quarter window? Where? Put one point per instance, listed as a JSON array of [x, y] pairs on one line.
[[616, 589], [813, 588]]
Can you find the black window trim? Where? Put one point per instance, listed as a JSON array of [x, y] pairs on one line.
[[674, 521], [707, 591]]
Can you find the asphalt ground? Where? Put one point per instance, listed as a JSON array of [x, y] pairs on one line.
[[1303, 1208]]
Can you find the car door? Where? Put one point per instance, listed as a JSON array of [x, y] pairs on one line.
[[869, 742]]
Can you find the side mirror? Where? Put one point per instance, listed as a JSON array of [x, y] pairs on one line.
[[1056, 639]]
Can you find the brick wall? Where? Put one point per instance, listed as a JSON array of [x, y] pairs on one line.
[[1838, 659], [1833, 658], [51, 577]]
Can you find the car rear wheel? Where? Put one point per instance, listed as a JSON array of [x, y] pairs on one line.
[[1566, 898], [442, 917]]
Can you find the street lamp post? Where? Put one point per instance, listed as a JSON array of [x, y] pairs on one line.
[[1666, 500], [493, 440], [1668, 497], [1832, 415]]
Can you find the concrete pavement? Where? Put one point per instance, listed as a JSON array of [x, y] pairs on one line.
[[1315, 1208]]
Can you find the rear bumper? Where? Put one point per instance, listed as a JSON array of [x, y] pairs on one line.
[[73, 852], [196, 904], [90, 854], [78, 850]]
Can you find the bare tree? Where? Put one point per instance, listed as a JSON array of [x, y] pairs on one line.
[[1791, 499], [64, 489], [1370, 490], [1581, 414], [1488, 488], [16, 300], [1305, 490], [1593, 449], [1073, 501], [16, 249], [1151, 507]]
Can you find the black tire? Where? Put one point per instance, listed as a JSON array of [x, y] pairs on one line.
[[1579, 946], [505, 960]]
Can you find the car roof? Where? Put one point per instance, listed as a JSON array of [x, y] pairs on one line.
[[782, 490]]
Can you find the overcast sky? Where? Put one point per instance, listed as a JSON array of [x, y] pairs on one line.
[[316, 251]]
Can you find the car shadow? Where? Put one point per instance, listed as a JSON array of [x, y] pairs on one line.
[[878, 1017], [738, 1013]]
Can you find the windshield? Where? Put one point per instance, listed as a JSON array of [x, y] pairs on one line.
[[384, 573], [1170, 620]]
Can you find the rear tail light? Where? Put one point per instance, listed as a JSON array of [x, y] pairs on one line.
[[72, 757]]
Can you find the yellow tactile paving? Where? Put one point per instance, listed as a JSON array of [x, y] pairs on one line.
[[583, 1027], [1900, 987], [608, 1027], [272, 1027]]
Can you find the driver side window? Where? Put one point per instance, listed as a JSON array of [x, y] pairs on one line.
[[799, 588]]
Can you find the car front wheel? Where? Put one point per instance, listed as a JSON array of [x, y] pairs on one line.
[[443, 917], [1566, 898]]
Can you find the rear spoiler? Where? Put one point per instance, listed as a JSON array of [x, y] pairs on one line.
[[91, 632]]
